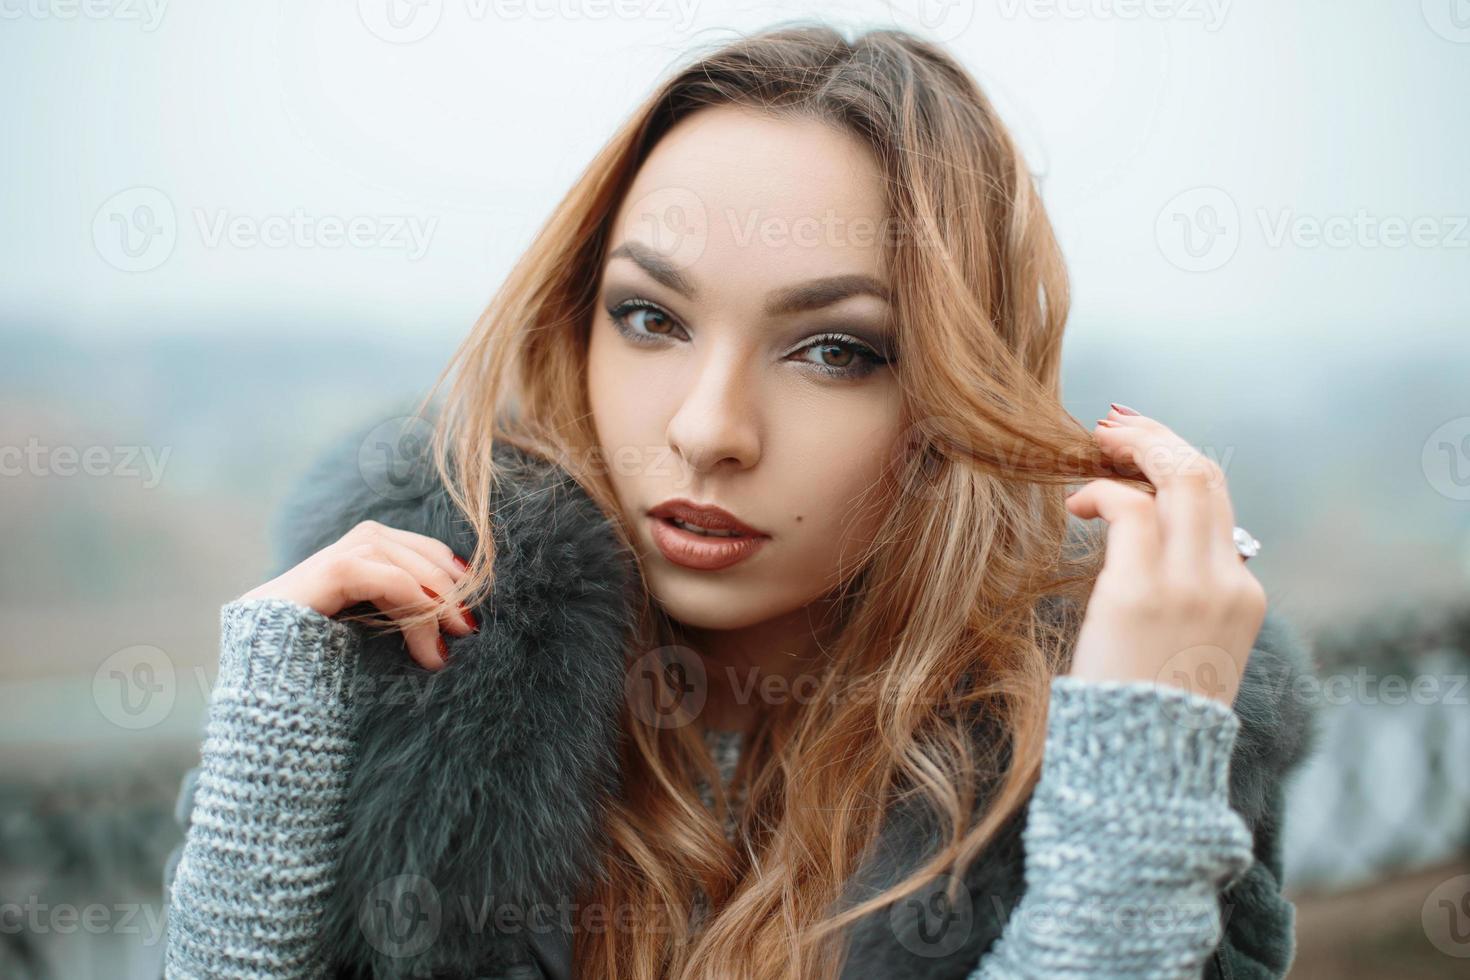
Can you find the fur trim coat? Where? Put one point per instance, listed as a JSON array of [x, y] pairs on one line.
[[522, 726]]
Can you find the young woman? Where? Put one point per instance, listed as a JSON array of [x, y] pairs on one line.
[[745, 559]]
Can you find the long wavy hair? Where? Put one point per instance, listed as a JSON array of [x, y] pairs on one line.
[[947, 619]]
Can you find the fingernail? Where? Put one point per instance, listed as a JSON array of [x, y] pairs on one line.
[[464, 566], [469, 617], [1108, 422], [429, 592], [1123, 409], [443, 648]]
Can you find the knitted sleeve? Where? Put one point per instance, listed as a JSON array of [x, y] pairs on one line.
[[1128, 839], [246, 895]]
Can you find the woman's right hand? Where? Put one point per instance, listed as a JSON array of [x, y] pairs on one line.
[[397, 571]]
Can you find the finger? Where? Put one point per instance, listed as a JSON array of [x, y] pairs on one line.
[[1193, 505], [434, 581], [395, 592], [431, 548], [1133, 542]]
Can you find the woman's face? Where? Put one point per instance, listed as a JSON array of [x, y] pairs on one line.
[[744, 244]]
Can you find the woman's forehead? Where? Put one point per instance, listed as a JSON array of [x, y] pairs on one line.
[[748, 180]]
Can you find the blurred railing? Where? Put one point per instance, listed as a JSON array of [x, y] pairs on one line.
[[1388, 789]]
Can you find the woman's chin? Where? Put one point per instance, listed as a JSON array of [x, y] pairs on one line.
[[711, 603]]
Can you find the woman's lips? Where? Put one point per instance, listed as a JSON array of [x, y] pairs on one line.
[[697, 551]]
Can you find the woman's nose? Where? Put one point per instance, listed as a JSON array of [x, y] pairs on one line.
[[717, 421]]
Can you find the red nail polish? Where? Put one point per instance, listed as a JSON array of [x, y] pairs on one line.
[[1122, 409], [469, 617], [429, 592], [464, 566], [443, 648]]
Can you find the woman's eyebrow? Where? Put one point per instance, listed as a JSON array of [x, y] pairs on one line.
[[817, 293], [810, 295], [659, 268]]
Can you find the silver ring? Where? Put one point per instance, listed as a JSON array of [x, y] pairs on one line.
[[1248, 546]]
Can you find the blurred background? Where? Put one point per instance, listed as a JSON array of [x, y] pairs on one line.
[[236, 230]]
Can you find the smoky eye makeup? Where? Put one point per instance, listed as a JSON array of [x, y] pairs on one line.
[[858, 351]]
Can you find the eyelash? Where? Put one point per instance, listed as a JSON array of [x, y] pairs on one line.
[[871, 359]]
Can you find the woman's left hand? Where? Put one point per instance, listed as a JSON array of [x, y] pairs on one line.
[[1173, 603]]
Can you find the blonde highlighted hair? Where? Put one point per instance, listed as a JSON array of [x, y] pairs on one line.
[[943, 624]]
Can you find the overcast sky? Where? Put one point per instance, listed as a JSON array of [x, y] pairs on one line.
[[1292, 168]]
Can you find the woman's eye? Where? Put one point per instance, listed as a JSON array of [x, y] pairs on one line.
[[843, 357], [835, 355], [642, 321]]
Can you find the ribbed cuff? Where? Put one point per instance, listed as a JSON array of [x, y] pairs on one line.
[[1136, 737], [281, 648], [1136, 778]]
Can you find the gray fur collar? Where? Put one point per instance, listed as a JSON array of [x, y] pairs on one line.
[[477, 792]]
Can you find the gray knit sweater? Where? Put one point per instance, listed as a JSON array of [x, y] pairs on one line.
[[1128, 838]]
